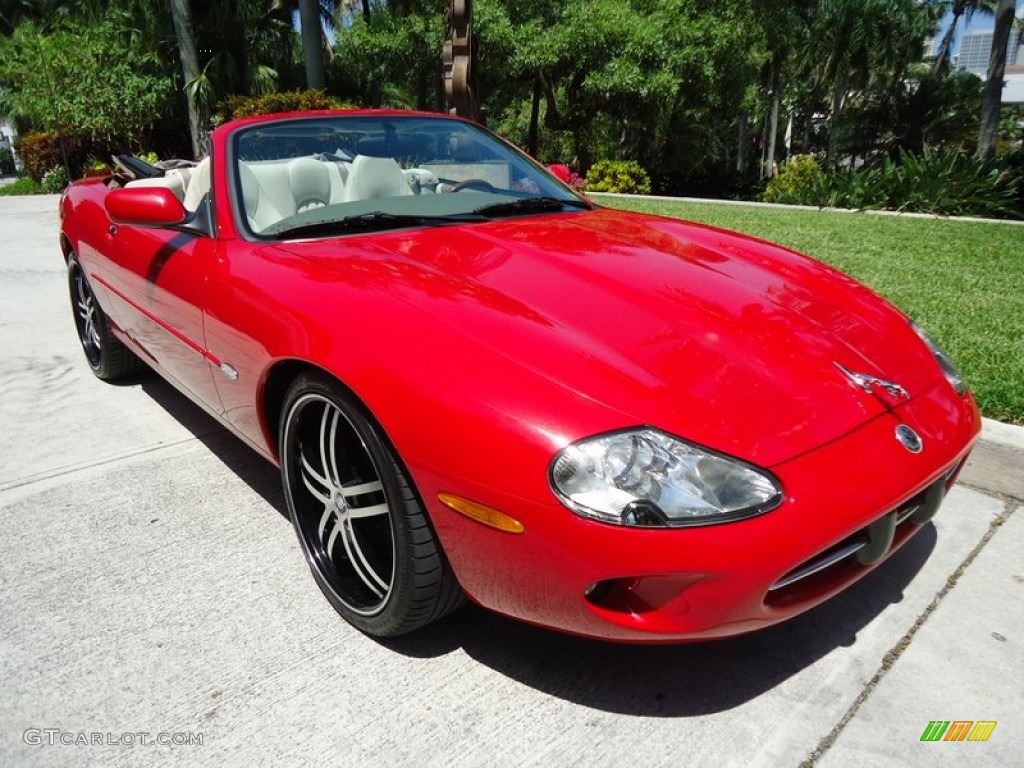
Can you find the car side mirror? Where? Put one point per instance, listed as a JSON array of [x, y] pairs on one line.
[[145, 207]]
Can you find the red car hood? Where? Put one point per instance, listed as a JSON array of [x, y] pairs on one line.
[[723, 340]]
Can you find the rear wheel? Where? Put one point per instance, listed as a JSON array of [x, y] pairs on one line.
[[359, 520], [108, 358]]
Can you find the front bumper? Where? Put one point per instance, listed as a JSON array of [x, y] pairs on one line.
[[636, 585]]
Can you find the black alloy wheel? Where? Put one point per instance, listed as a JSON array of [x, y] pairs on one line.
[[108, 358], [360, 522]]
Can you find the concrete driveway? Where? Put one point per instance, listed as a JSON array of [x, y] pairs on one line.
[[157, 611]]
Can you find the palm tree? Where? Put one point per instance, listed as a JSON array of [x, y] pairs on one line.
[[181, 12], [859, 47], [843, 37], [992, 95], [315, 16], [961, 9], [309, 21], [785, 23]]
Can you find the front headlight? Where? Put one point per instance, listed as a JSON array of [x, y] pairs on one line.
[[949, 369], [647, 478]]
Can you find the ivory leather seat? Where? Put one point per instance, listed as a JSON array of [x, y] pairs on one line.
[[373, 177]]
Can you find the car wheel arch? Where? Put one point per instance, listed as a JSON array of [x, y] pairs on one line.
[[276, 381], [66, 248]]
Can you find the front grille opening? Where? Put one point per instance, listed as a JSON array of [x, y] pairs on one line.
[[846, 559]]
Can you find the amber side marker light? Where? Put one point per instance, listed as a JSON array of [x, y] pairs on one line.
[[489, 516]]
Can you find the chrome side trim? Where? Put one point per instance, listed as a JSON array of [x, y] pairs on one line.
[[905, 514]]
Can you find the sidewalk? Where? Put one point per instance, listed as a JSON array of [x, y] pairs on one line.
[[962, 659]]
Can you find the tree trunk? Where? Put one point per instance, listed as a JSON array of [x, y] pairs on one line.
[[533, 141], [741, 144], [773, 132], [309, 19], [992, 95], [944, 54], [182, 15], [833, 123]]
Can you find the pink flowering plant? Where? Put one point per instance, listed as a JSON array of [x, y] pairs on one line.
[[567, 175]]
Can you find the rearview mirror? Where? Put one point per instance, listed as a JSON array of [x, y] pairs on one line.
[[145, 207]]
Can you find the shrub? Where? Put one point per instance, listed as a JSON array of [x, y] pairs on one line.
[[26, 185], [943, 183], [83, 79], [284, 101], [1013, 174], [800, 181], [624, 176], [55, 179], [953, 183], [39, 152]]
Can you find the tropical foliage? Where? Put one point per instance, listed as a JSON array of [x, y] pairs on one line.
[[82, 80], [945, 183], [710, 98]]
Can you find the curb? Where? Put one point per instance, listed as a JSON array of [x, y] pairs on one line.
[[784, 207], [1000, 433]]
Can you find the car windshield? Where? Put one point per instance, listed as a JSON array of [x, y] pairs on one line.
[[322, 175]]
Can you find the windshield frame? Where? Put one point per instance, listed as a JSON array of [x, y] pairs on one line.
[[552, 187]]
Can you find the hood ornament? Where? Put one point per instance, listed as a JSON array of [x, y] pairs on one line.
[[869, 383]]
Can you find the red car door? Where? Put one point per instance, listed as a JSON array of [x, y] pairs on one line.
[[161, 277]]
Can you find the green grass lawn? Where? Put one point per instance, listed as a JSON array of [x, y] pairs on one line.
[[963, 281]]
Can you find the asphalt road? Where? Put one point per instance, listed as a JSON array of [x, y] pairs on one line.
[[154, 591]]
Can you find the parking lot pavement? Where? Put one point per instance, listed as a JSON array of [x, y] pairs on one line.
[[151, 585]]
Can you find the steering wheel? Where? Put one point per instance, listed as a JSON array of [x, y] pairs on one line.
[[481, 184]]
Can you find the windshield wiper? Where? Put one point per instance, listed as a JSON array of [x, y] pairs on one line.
[[531, 205], [374, 221]]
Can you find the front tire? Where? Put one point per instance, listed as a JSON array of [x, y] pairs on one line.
[[108, 358], [360, 522]]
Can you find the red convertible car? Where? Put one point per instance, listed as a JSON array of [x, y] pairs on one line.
[[478, 384]]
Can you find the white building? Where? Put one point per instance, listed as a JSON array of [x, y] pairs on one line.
[[973, 57]]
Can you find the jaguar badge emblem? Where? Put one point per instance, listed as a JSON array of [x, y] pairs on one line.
[[909, 439]]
